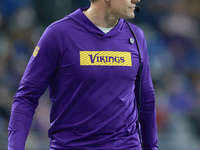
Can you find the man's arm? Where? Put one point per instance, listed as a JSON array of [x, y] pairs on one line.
[[35, 80], [147, 108]]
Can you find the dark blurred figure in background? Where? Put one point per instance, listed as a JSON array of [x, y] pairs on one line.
[[173, 35]]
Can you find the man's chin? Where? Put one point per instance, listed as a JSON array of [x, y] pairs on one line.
[[129, 17]]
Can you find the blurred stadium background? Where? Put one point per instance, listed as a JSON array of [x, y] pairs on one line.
[[172, 29]]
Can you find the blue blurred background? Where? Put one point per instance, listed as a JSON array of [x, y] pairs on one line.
[[172, 29]]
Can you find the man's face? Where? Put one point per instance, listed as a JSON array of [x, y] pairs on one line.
[[123, 8]]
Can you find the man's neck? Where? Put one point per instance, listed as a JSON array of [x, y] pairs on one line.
[[99, 15]]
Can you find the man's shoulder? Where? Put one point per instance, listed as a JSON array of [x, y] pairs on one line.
[[60, 24], [67, 21], [136, 29]]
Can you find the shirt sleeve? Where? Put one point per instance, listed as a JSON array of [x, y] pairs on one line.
[[39, 71], [147, 108]]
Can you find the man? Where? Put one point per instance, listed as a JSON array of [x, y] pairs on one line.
[[91, 67]]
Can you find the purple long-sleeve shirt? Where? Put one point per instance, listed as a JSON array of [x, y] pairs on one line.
[[92, 79]]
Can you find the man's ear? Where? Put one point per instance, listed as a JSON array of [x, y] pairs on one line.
[[107, 1]]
